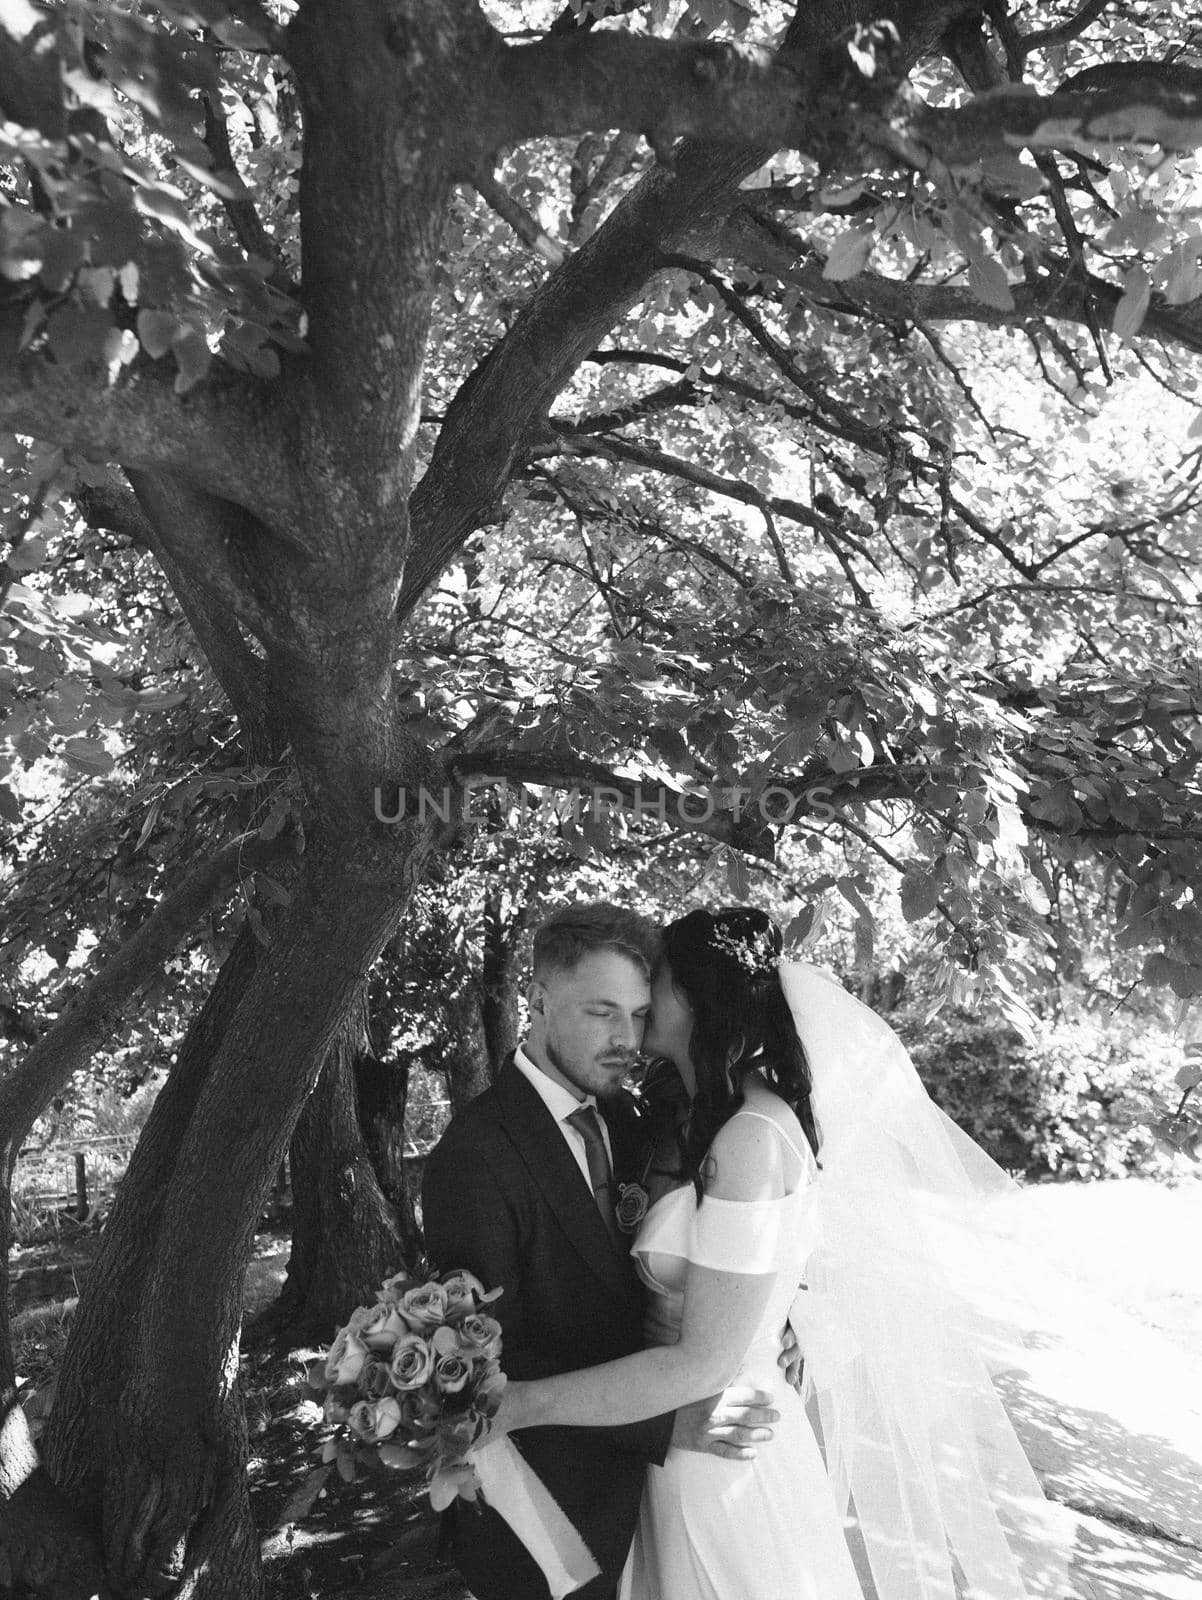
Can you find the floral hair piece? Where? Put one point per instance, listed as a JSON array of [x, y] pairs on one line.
[[752, 949]]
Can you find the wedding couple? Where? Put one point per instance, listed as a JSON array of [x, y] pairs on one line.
[[790, 1185]]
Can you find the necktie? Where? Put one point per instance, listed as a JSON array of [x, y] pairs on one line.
[[588, 1125]]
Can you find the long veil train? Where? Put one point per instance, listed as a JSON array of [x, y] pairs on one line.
[[917, 1444]]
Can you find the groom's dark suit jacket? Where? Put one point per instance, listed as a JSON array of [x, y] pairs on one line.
[[504, 1198]]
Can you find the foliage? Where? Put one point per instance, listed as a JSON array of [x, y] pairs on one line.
[[1072, 1103], [919, 584]]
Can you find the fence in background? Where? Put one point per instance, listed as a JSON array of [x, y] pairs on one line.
[[75, 1176]]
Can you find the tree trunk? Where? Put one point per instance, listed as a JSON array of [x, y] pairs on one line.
[[175, 1502], [36, 1524], [469, 1070], [499, 985], [382, 1094], [346, 1236], [148, 1437], [96, 1358]]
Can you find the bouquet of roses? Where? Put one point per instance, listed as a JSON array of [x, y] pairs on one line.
[[413, 1380]]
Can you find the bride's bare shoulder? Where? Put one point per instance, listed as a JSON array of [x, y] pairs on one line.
[[745, 1161]]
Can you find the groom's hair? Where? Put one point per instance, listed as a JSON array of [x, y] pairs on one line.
[[573, 932]]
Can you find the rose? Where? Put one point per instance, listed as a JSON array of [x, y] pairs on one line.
[[393, 1289], [375, 1378], [451, 1373], [347, 1355], [412, 1362], [420, 1409], [382, 1326], [479, 1337], [373, 1420], [424, 1307], [465, 1292], [632, 1207]]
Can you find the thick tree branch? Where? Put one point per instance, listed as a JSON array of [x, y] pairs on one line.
[[88, 1018], [598, 791], [221, 436], [812, 102], [1058, 295], [833, 536], [1151, 104], [663, 88], [514, 387], [667, 212], [234, 663], [1064, 31]]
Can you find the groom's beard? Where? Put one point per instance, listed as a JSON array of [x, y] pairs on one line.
[[604, 1081]]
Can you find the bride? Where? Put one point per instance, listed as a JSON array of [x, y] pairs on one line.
[[811, 1157]]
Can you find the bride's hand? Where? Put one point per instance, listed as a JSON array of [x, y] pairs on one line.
[[508, 1417]]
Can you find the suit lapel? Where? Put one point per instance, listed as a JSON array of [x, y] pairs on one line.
[[544, 1150], [625, 1138]]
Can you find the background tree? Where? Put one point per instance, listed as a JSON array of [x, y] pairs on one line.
[[739, 468]]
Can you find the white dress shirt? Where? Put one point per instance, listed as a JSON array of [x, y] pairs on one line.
[[561, 1102]]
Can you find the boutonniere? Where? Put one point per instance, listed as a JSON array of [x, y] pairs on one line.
[[633, 1200], [633, 1204]]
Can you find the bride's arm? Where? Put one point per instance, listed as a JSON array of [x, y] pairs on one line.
[[721, 1315]]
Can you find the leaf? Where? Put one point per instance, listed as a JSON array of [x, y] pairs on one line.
[[27, 557], [919, 895], [167, 206], [1188, 1076], [1133, 306], [849, 252], [29, 745], [444, 1491], [736, 876], [152, 816], [156, 330], [88, 755], [10, 807], [193, 357], [271, 890], [77, 334], [987, 280]]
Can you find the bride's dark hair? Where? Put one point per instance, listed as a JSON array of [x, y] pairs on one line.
[[724, 963]]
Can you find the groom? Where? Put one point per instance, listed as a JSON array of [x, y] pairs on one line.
[[521, 1192]]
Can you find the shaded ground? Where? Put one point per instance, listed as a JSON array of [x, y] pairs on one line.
[[1106, 1391]]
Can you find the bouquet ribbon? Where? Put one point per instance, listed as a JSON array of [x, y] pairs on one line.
[[518, 1494]]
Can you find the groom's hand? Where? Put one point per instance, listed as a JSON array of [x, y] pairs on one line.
[[729, 1424], [790, 1359]]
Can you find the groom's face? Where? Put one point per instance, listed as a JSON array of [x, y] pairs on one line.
[[586, 1023]]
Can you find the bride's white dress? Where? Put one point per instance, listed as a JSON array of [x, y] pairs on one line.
[[711, 1528]]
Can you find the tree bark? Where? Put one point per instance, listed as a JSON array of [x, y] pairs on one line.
[[175, 1505], [382, 1095], [95, 1362], [499, 984], [469, 1069], [346, 1234]]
